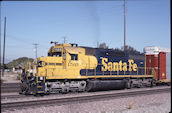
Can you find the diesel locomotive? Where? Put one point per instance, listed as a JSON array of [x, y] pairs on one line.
[[69, 68]]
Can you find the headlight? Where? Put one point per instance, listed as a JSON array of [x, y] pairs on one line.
[[41, 78]]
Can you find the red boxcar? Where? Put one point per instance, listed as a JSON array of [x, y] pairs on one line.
[[156, 58]]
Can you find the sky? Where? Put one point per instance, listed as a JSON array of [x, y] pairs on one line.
[[84, 23]]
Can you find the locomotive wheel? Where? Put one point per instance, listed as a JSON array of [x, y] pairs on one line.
[[26, 90], [21, 91], [139, 85], [42, 94], [129, 84], [89, 85], [65, 91], [169, 84], [34, 92], [151, 84]]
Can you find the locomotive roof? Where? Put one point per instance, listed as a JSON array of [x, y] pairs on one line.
[[94, 51], [74, 50], [91, 50]]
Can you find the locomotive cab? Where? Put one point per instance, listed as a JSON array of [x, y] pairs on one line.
[[64, 52]]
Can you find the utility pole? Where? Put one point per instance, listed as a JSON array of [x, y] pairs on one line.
[[124, 26], [4, 46], [97, 44], [36, 49], [64, 40]]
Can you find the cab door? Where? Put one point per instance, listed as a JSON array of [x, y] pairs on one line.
[[64, 60]]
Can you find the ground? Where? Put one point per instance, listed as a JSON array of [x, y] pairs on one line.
[[10, 77]]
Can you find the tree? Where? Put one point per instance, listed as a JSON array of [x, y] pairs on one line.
[[19, 62], [103, 45], [130, 49]]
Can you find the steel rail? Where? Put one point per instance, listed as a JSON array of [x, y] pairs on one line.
[[10, 87], [12, 96], [9, 84], [9, 90], [80, 99]]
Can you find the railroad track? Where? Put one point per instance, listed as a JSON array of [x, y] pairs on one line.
[[17, 95], [10, 87], [12, 96], [79, 99], [9, 84], [15, 87]]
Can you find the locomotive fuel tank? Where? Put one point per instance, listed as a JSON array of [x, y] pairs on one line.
[[99, 85]]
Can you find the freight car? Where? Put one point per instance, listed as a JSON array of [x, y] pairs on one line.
[[69, 68]]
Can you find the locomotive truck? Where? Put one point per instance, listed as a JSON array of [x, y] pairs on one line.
[[71, 68]]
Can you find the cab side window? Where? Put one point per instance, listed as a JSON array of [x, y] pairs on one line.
[[74, 56], [55, 54]]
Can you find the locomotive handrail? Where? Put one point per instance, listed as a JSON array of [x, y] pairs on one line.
[[86, 70], [95, 70]]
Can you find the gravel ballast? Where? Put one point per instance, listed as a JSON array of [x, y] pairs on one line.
[[157, 103]]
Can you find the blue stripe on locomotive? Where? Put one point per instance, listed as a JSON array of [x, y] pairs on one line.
[[114, 56]]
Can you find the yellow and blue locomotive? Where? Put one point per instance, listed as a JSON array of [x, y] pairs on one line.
[[69, 67]]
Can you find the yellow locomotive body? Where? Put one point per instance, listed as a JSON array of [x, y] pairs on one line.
[[69, 63], [71, 68]]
